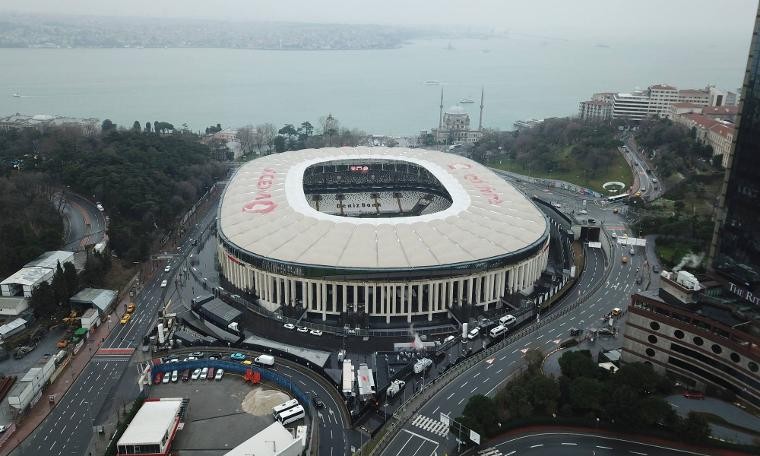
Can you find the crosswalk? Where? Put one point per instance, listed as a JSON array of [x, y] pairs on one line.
[[489, 452], [430, 425]]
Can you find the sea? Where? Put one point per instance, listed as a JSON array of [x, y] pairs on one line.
[[385, 92]]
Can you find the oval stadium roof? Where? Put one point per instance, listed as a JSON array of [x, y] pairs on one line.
[[264, 211]]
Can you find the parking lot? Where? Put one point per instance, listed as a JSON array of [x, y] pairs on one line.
[[216, 419]]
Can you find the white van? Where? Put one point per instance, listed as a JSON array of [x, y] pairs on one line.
[[507, 320], [498, 331]]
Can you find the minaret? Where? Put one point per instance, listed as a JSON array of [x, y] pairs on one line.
[[480, 120], [440, 112]]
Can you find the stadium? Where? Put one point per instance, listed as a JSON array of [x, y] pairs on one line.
[[391, 233]]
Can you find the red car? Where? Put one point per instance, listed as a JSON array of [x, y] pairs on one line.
[[210, 374], [694, 395], [157, 379]]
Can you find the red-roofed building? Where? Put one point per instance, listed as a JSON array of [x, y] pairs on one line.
[[718, 134], [727, 113]]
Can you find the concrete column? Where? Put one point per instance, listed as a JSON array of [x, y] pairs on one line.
[[460, 285], [436, 290], [408, 302], [451, 292], [419, 297], [309, 295], [356, 297], [344, 292], [287, 292], [367, 306], [478, 289], [430, 300], [334, 289]]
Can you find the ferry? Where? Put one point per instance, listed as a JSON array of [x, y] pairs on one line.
[[431, 83], [467, 101], [16, 95]]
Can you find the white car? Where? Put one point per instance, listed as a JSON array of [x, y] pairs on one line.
[[507, 320], [474, 333], [204, 372], [614, 236], [289, 326], [219, 374], [196, 374], [167, 269], [175, 376], [315, 332], [583, 212], [164, 283], [167, 378], [302, 329]]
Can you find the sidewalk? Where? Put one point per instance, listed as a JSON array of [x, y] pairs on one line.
[[42, 409]]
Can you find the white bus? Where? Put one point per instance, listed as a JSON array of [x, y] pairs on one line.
[[291, 415], [284, 406]]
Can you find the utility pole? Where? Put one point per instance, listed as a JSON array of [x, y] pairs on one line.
[[480, 119], [440, 112]]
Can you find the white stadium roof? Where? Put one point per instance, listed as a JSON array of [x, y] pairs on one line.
[[264, 211]]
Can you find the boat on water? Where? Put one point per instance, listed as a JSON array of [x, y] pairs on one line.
[[466, 101], [431, 82], [16, 95]]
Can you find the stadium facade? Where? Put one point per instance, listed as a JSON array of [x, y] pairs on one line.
[[390, 232]]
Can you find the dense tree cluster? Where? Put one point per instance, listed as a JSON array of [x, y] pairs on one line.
[[30, 223], [49, 298], [630, 399], [676, 149], [145, 181], [555, 145]]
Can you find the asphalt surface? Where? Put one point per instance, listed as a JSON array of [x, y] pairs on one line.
[[69, 427], [576, 444], [653, 190], [425, 430], [85, 224]]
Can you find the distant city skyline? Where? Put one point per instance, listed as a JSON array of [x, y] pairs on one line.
[[590, 19]]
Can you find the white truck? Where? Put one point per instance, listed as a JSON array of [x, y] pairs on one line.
[[422, 365], [264, 360], [395, 387]]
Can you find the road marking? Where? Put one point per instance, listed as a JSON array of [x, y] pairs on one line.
[[460, 401], [604, 447], [569, 443], [638, 452], [476, 375], [537, 445], [449, 398]]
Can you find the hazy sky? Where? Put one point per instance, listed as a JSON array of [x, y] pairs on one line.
[[555, 17]]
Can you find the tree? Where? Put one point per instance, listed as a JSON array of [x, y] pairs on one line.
[[107, 126], [586, 395], [280, 144], [43, 300], [717, 161], [544, 394], [147, 127], [247, 137], [306, 129], [136, 126], [695, 427], [482, 415], [71, 279], [267, 133], [534, 359], [578, 363], [155, 127]]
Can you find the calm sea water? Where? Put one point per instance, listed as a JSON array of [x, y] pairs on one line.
[[380, 91]]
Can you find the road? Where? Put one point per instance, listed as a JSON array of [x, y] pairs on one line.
[[576, 444], [425, 430], [68, 428], [646, 180], [85, 224]]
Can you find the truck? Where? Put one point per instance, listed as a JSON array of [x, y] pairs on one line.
[[422, 365], [264, 360], [395, 387]]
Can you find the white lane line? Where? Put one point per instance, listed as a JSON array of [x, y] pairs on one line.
[[638, 452], [449, 398], [604, 447], [569, 443], [537, 445]]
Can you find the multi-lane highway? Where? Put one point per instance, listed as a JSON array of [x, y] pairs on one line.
[[68, 428], [425, 431], [577, 444]]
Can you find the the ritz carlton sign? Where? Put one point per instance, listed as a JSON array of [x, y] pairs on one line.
[[262, 202], [482, 186]]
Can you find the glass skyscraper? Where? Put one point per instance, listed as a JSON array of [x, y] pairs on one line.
[[736, 241]]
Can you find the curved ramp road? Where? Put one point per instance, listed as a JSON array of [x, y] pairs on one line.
[[85, 224]]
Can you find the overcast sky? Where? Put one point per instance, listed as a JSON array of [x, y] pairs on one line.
[[561, 17]]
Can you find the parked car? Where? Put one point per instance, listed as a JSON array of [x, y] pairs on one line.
[[175, 376], [616, 311], [302, 329], [507, 320], [694, 394], [204, 372], [219, 374], [157, 379], [198, 354], [196, 374], [473, 334], [125, 318], [247, 362], [655, 268], [315, 332], [167, 268], [210, 374], [186, 375], [237, 356], [290, 326]]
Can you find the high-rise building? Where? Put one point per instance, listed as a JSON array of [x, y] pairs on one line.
[[735, 248]]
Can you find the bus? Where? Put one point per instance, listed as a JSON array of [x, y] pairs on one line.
[[291, 415], [619, 197], [284, 406]]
